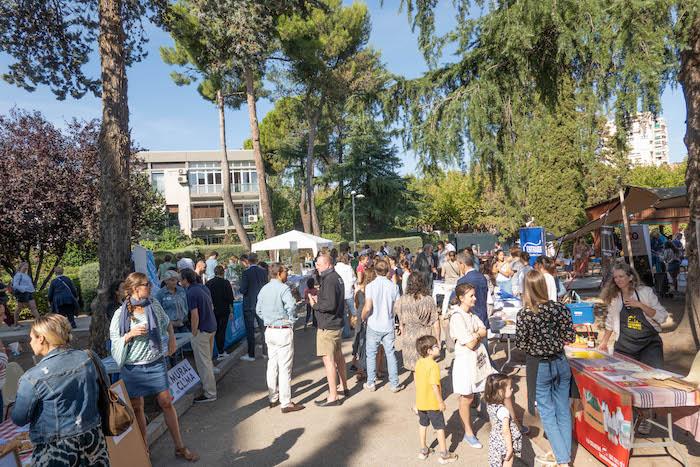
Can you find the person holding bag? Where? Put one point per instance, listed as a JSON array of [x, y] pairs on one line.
[[63, 296], [135, 332], [58, 398], [471, 365], [544, 328]]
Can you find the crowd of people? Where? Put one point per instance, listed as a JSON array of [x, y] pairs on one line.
[[382, 300]]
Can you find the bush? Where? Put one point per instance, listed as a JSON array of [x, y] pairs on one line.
[[414, 243], [88, 280], [170, 238], [225, 251]]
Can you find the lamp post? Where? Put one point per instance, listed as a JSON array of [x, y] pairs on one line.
[[354, 195]]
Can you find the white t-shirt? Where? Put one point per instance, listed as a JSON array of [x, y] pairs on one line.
[[348, 275], [383, 294], [551, 286]]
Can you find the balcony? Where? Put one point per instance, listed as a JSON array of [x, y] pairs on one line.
[[218, 223], [216, 189]]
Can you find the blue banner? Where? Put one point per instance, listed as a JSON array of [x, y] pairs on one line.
[[533, 242], [235, 329]]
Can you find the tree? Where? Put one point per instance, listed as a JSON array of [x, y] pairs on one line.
[[624, 51], [50, 43], [321, 47], [662, 176], [449, 202], [219, 83]]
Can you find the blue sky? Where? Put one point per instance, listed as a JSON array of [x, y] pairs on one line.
[[167, 117]]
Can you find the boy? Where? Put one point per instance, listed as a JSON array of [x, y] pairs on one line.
[[429, 401]]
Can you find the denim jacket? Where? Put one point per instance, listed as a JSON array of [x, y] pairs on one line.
[[58, 397]]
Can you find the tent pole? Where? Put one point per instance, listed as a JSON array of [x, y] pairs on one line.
[[626, 222]]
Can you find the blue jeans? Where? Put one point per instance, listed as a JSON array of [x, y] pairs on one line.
[[349, 309], [552, 395], [374, 338]]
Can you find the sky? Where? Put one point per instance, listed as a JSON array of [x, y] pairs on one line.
[[164, 116]]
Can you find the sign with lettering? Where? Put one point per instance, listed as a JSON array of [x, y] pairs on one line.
[[182, 377], [532, 241]]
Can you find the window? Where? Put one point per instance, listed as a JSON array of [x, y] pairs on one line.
[[158, 181], [244, 177], [245, 210], [205, 177]]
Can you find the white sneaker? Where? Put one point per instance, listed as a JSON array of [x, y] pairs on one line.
[[247, 358], [222, 356]]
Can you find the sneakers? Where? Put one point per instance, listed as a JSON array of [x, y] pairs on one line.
[[547, 459], [398, 388], [448, 458], [247, 358], [644, 427], [203, 399], [472, 441], [370, 387], [222, 356], [424, 453]]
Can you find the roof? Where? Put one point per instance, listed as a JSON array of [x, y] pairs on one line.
[[286, 241]]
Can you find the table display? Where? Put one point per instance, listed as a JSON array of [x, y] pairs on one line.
[[502, 323], [610, 386], [10, 432]]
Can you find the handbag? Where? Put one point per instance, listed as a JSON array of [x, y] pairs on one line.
[[116, 415], [483, 364]]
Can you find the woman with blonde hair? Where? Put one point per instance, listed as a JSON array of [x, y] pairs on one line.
[[58, 399], [136, 333], [544, 327], [23, 290]]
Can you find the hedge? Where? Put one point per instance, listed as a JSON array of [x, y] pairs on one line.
[[414, 243], [89, 278]]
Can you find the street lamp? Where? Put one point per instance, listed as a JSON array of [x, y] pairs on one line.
[[354, 195]]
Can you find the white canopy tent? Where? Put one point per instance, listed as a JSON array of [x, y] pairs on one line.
[[292, 240]]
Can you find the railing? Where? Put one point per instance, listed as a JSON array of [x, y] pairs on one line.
[[211, 223], [213, 189]]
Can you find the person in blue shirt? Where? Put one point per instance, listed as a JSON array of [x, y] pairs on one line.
[[481, 287], [173, 299], [212, 262], [277, 308]]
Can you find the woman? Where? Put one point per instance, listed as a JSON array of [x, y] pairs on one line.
[[116, 293], [506, 271], [173, 299], [544, 328], [672, 259], [418, 316], [634, 316], [359, 354], [581, 253], [406, 266], [23, 289], [135, 332], [60, 390], [543, 265], [450, 270]]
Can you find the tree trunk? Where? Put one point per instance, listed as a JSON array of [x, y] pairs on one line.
[[226, 176], [304, 210], [114, 245], [310, 201], [265, 204], [341, 182], [689, 78]]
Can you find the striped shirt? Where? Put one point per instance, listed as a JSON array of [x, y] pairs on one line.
[[138, 350]]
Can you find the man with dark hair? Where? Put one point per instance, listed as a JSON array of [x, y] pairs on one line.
[[165, 266], [203, 324], [254, 278], [329, 306], [277, 308], [478, 281], [222, 298]]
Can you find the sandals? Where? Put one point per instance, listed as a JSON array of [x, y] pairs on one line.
[[186, 454]]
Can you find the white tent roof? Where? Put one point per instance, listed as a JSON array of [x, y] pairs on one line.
[[284, 242]]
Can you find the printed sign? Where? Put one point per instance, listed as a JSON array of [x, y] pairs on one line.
[[603, 423], [607, 241], [182, 377], [532, 242]]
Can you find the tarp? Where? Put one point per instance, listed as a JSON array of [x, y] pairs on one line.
[[293, 238]]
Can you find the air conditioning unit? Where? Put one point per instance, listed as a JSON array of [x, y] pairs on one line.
[[252, 218], [182, 179], [182, 171]]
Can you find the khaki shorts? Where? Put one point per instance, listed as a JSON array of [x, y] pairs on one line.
[[328, 341]]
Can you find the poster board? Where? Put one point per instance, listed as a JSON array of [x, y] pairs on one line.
[[182, 378], [127, 449], [641, 251], [607, 241], [532, 241], [603, 425]]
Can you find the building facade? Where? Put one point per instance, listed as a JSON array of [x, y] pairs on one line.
[[647, 140], [191, 183]]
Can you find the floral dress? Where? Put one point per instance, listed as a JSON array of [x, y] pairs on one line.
[[498, 413], [417, 317]]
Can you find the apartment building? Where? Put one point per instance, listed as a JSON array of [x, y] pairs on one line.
[[191, 183], [647, 140]]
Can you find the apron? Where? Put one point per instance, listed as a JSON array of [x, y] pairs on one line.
[[636, 333]]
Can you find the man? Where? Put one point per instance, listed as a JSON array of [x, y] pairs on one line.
[[211, 263], [63, 296], [519, 277], [254, 278], [203, 324], [478, 281], [222, 298], [183, 262], [165, 266], [276, 307], [380, 295], [329, 306], [344, 270]]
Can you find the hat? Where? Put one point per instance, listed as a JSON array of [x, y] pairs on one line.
[[169, 274]]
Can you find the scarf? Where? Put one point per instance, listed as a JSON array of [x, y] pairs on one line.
[[154, 342]]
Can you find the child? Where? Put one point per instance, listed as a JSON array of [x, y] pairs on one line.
[[310, 290], [429, 401], [505, 440]]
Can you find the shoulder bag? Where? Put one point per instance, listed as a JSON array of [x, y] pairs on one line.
[[116, 415]]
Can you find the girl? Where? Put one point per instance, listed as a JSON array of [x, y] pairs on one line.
[[23, 289], [505, 440], [471, 364]]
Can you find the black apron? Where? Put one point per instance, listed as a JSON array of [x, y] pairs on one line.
[[637, 334]]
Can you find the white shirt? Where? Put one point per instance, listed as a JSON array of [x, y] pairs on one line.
[[646, 296], [383, 294], [551, 286], [450, 247], [348, 275]]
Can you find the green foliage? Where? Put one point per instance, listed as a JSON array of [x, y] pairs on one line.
[[170, 238], [78, 254], [89, 280], [449, 202], [663, 176]]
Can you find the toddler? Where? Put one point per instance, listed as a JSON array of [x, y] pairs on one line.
[[505, 439]]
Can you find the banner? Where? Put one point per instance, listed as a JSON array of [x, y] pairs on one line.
[[235, 329], [532, 241], [181, 378], [603, 423], [607, 241]]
